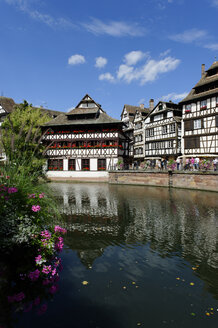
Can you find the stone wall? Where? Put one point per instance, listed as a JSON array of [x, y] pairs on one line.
[[186, 180]]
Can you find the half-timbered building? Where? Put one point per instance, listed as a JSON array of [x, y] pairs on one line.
[[200, 116], [127, 117], [139, 134], [163, 131], [133, 117], [84, 142]]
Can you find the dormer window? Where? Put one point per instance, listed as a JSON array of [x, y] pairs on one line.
[[160, 107], [203, 104]]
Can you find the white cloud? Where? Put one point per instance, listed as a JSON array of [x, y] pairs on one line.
[[114, 28], [189, 36], [165, 53], [174, 96], [24, 6], [106, 76], [76, 59], [100, 62], [134, 57], [148, 72], [212, 46]]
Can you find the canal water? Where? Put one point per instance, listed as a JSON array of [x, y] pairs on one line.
[[134, 257]]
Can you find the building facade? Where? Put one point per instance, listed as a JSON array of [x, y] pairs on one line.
[[200, 116], [163, 131], [85, 142]]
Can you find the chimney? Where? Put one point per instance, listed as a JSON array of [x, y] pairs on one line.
[[151, 104], [142, 106], [202, 70]]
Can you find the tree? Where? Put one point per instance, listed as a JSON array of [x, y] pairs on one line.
[[22, 138]]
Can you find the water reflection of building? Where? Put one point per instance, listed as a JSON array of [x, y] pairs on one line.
[[178, 222], [89, 199]]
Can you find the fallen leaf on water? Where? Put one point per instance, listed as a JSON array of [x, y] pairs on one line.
[[124, 287], [139, 324], [211, 309], [207, 313], [177, 278], [85, 282], [191, 283], [133, 282], [193, 268], [138, 287], [193, 314]]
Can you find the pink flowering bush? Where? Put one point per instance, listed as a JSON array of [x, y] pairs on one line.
[[205, 164], [39, 280], [171, 164]]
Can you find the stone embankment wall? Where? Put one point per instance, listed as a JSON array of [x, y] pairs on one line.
[[186, 180]]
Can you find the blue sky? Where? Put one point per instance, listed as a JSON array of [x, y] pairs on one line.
[[120, 52]]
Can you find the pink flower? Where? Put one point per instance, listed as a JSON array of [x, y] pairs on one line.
[[32, 196], [38, 259], [59, 229], [36, 208], [46, 269], [34, 275], [41, 195], [46, 234], [12, 190]]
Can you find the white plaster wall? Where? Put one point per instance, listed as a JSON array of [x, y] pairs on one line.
[[77, 174], [65, 164], [93, 164]]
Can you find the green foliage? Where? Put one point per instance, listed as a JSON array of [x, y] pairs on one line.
[[19, 197], [21, 139]]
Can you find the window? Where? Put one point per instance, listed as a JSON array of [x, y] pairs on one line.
[[138, 125], [55, 164], [158, 117], [188, 108], [164, 129], [160, 107], [149, 133], [216, 101], [203, 104], [172, 128], [188, 125], [140, 150], [85, 164], [197, 124], [216, 120], [193, 142], [146, 146], [170, 144], [71, 165], [101, 164]]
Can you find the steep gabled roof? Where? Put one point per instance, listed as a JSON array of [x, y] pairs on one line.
[[63, 119], [84, 116], [7, 104], [206, 86], [169, 106], [86, 106]]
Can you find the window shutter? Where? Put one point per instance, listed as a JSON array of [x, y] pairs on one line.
[[188, 125]]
